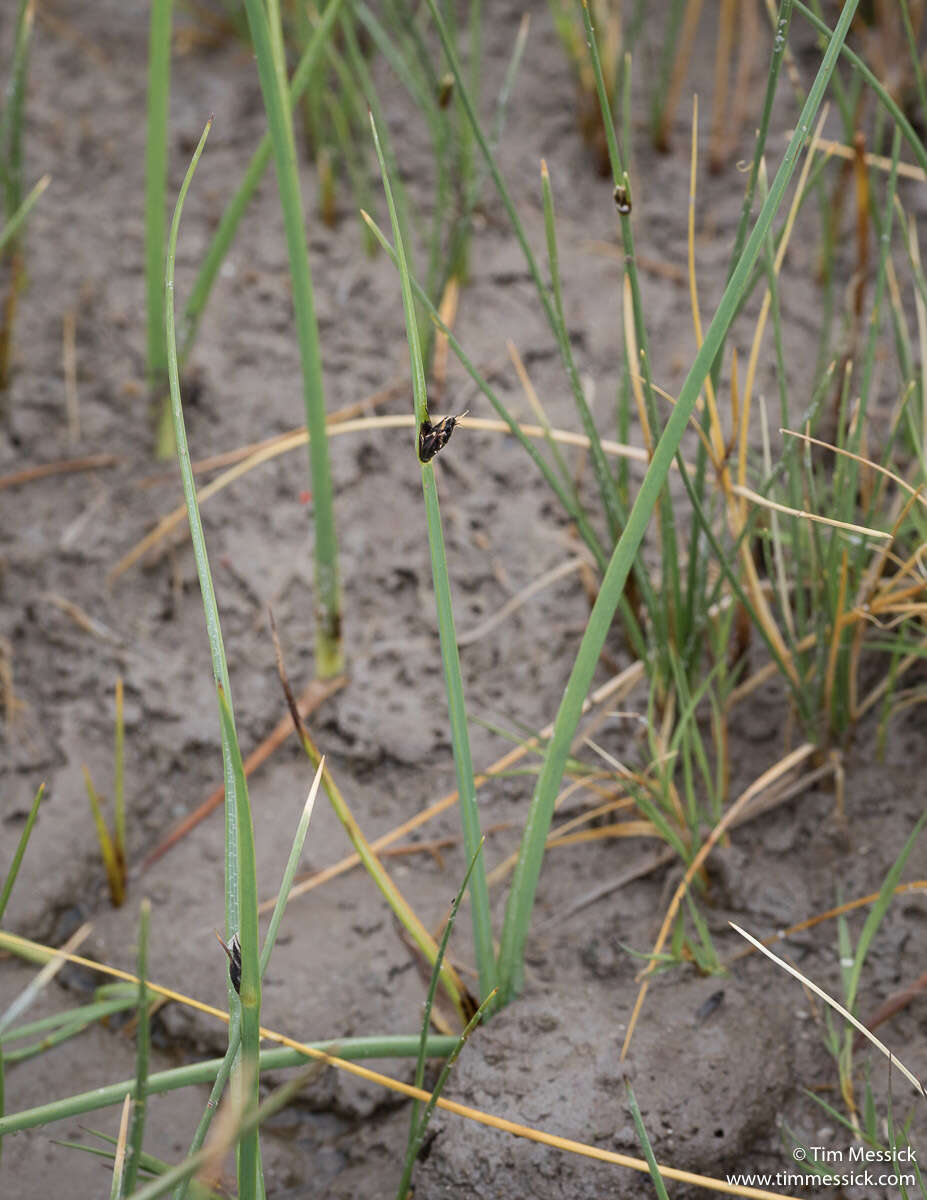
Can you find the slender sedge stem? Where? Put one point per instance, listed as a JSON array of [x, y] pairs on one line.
[[463, 762], [267, 38]]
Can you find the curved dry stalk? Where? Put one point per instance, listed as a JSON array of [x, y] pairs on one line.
[[795, 759], [845, 1013], [867, 462], [717, 452], [619, 829], [879, 161], [292, 441], [568, 1145], [917, 885], [760, 327], [53, 964], [880, 689]]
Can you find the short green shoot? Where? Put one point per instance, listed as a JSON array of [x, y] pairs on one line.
[[113, 843]]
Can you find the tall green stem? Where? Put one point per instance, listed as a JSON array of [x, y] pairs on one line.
[[268, 45]]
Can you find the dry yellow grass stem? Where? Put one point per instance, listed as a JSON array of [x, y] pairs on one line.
[[766, 780], [917, 885], [92, 462], [292, 441], [633, 356], [53, 964], [447, 312], [119, 1154], [848, 1016], [879, 161], [35, 950], [760, 327], [617, 687], [735, 511], [917, 492]]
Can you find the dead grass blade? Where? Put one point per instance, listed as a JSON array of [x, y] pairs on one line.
[[766, 780], [848, 1016], [33, 949]]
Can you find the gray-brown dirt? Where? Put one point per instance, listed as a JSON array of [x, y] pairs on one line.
[[713, 1091]]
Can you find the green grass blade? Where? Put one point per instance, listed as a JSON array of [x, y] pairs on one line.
[[20, 850], [198, 540], [241, 883], [231, 218], [264, 34], [228, 1061], [13, 114], [877, 912], [426, 1012], [149, 1164], [119, 790], [19, 217], [479, 892], [12, 120], [528, 869], [665, 615], [67, 1025], [85, 1014], [249, 994], [143, 1047], [246, 1130], [571, 506], [353, 1049], [658, 1185], [159, 77], [445, 1074], [289, 872], [608, 486], [915, 54], [219, 1083]]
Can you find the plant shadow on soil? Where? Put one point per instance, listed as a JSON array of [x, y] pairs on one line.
[[712, 1091]]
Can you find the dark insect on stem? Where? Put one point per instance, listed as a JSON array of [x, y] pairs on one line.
[[233, 950], [622, 198], [427, 1142], [432, 438]]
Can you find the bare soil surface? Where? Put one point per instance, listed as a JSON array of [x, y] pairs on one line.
[[715, 1082]]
